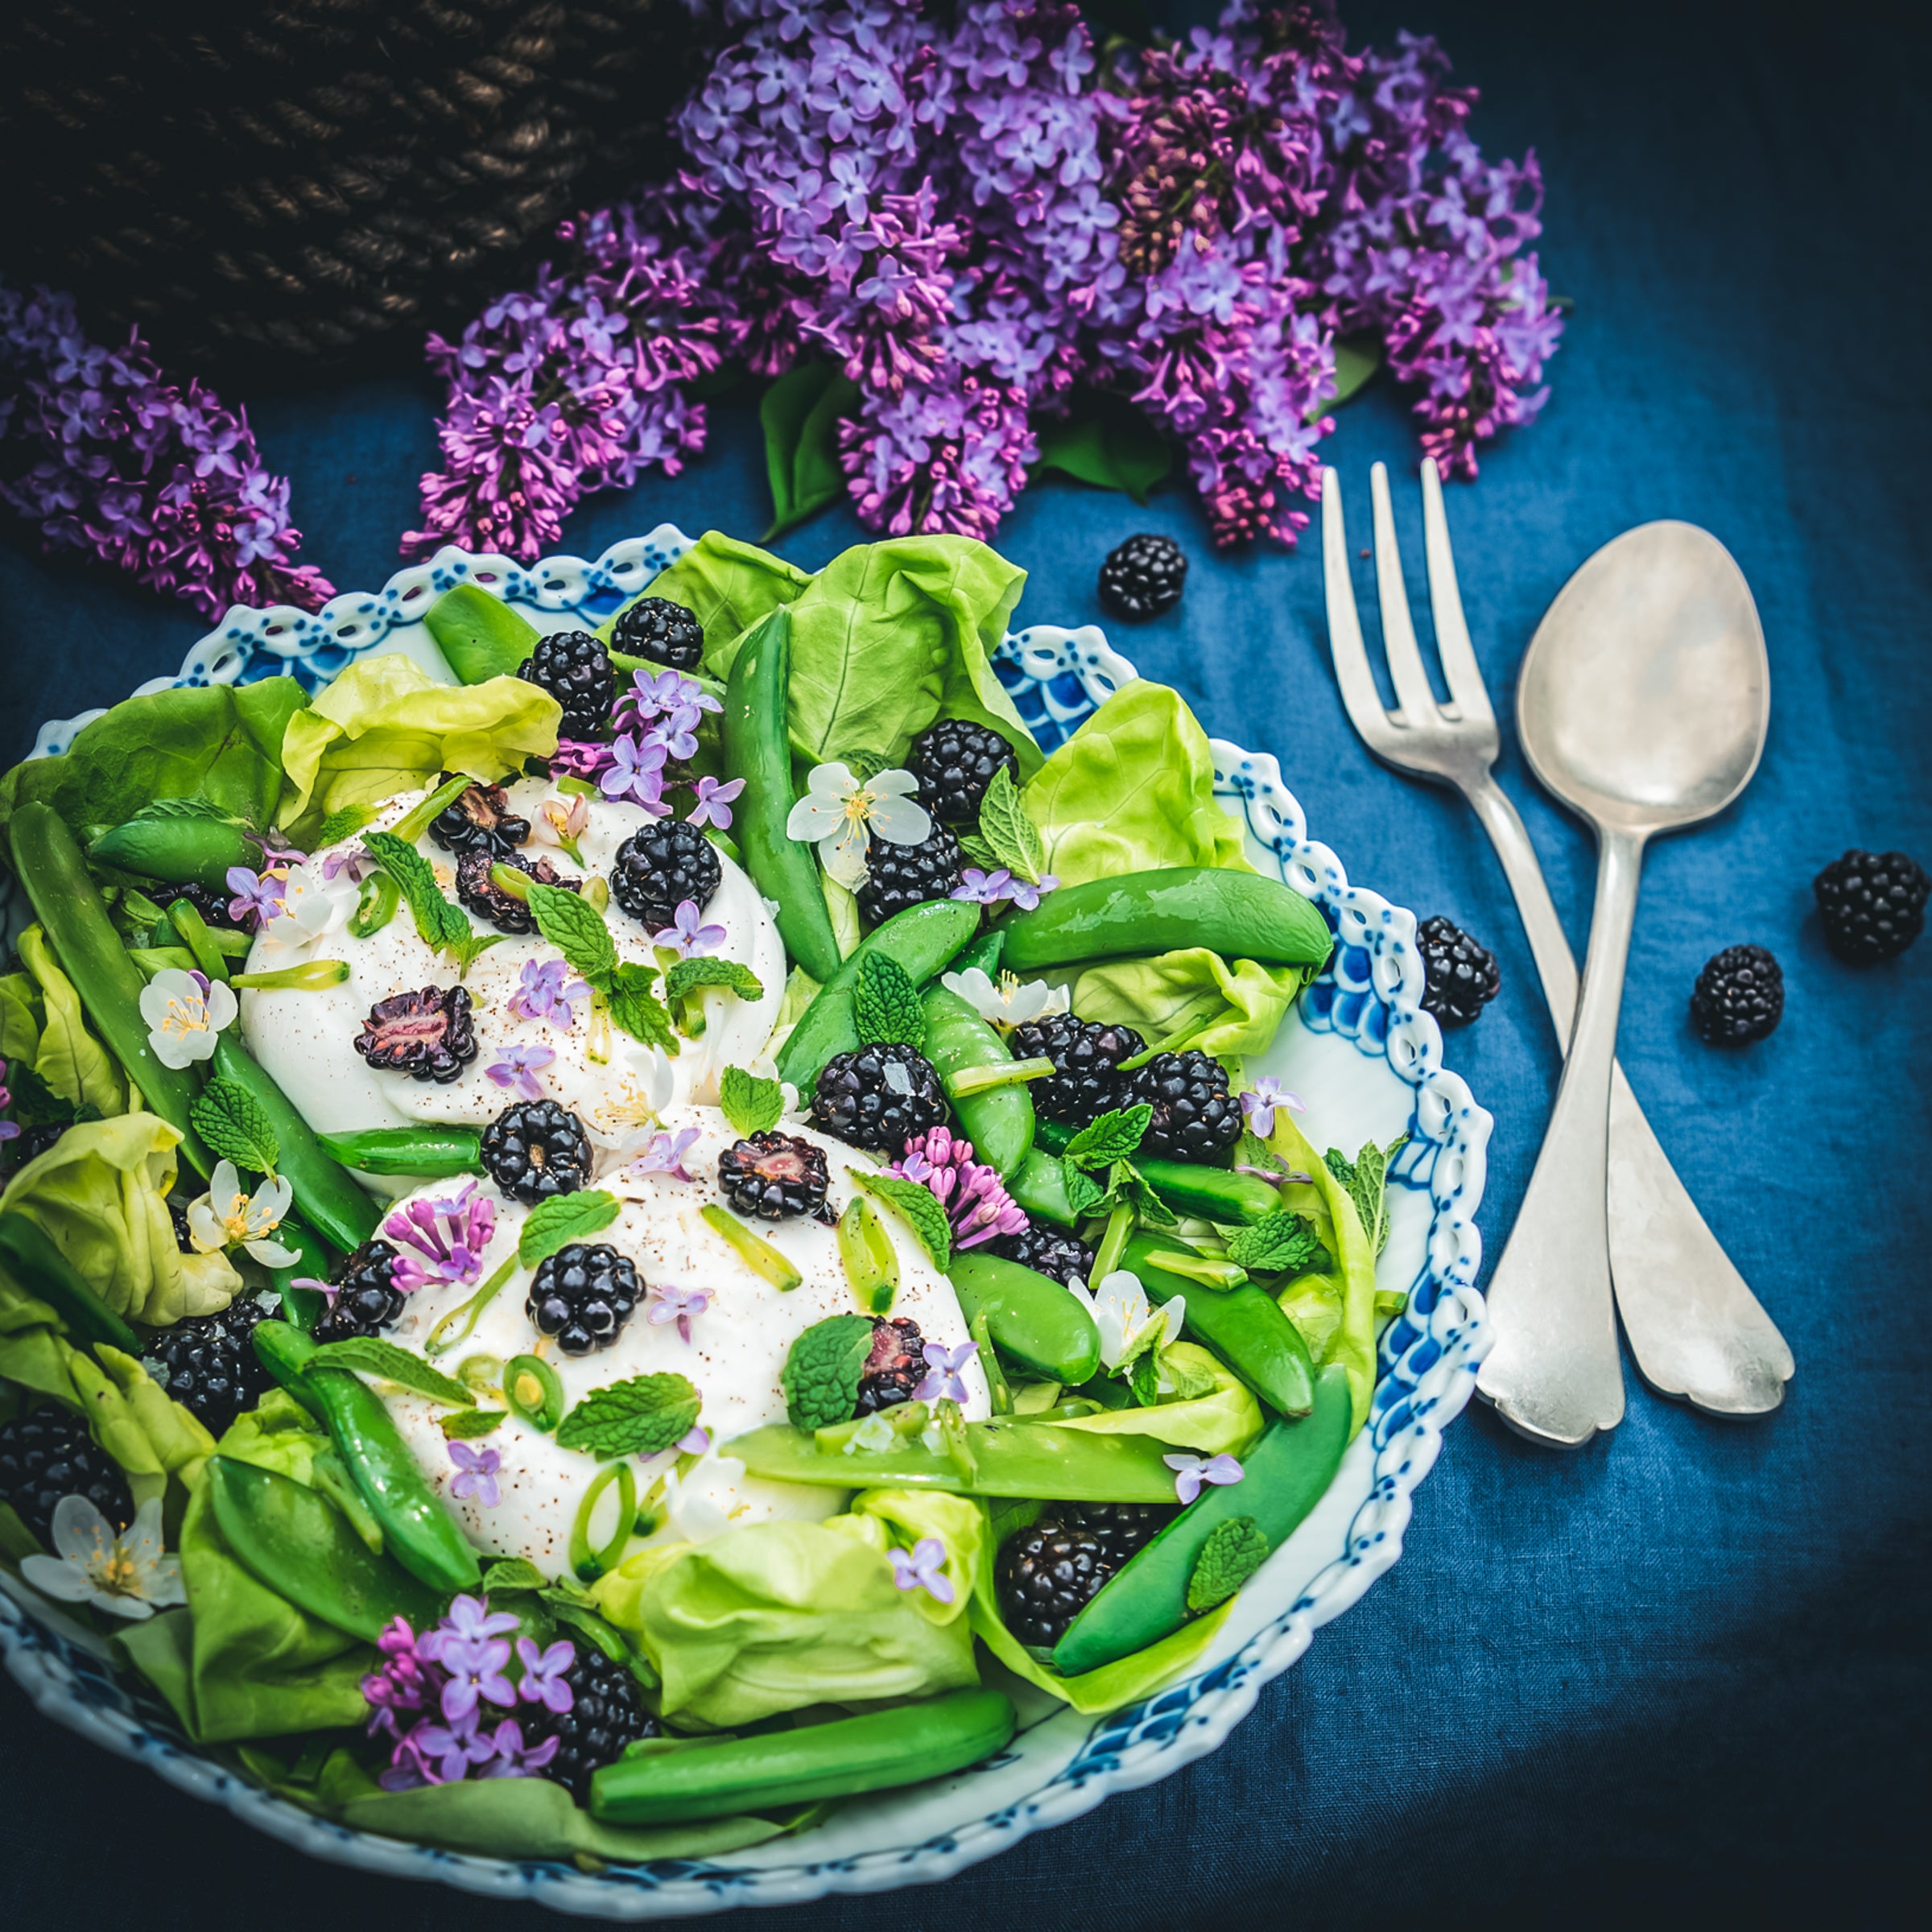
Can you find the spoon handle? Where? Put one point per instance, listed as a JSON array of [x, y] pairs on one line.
[[1554, 1374]]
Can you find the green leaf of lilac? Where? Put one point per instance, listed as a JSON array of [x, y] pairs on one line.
[[640, 1417], [885, 1004], [916, 1204], [1012, 837], [1281, 1243], [823, 1371], [799, 414], [1104, 440], [438, 924], [1234, 1551], [634, 1005], [369, 1355], [1113, 1137], [688, 976], [574, 926], [236, 1126], [556, 1224], [752, 1105], [1357, 359]]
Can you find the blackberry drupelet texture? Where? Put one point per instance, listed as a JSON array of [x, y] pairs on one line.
[[480, 820], [430, 1035], [774, 1175], [900, 876], [954, 761], [606, 1714], [536, 1150], [48, 1454], [878, 1097], [895, 1366], [657, 868], [1144, 578], [1873, 904], [366, 1301], [583, 1296], [209, 1363], [664, 632], [576, 671], [1459, 975], [478, 892], [1194, 1117], [1049, 1252], [1739, 997], [1047, 1575], [1086, 1081]]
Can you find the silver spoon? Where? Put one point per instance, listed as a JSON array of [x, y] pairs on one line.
[[1642, 705]]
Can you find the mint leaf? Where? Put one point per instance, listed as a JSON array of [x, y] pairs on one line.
[[1085, 1195], [1365, 1178], [1234, 1551], [574, 926], [822, 1372], [343, 823], [687, 975], [1281, 1243], [1144, 1380], [1004, 825], [236, 1126], [634, 1004], [979, 852], [640, 1417], [514, 1573], [915, 1203], [885, 1005], [1126, 1182], [369, 1355], [438, 924], [752, 1105], [184, 808], [460, 1424], [1340, 1165], [1113, 1137], [569, 1217]]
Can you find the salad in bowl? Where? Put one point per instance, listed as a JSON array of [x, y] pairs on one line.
[[605, 1258]]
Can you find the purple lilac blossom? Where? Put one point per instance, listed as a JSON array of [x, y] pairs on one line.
[[687, 935], [476, 1474], [666, 1153], [9, 1129], [441, 1241], [545, 1674], [923, 1567], [1259, 1103], [668, 1303], [1191, 1472], [580, 758], [257, 897], [511, 1758], [975, 1198], [714, 798], [660, 695], [941, 1381], [545, 992], [636, 772]]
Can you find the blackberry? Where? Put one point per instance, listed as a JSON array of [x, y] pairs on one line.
[[583, 1296], [1048, 1251], [212, 1368], [430, 1035], [1143, 579], [1873, 904], [774, 1175], [1194, 1117], [1086, 1081], [662, 631], [177, 1215], [895, 1366], [899, 876], [606, 1713], [49, 1455], [657, 868], [1047, 1575], [480, 820], [1739, 997], [30, 1143], [504, 911], [879, 1097], [536, 1150], [1460, 974], [576, 671], [366, 1301], [954, 761]]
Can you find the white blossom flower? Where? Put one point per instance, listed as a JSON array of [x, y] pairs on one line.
[[124, 1574], [185, 1011], [1127, 1324], [312, 906], [1011, 1001], [839, 814], [225, 1217]]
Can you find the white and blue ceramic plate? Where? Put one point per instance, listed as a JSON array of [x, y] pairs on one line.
[[1360, 1049]]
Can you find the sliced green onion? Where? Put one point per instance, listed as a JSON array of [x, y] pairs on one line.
[[439, 1342], [587, 1565], [417, 821], [376, 905], [311, 976], [531, 1388], [512, 879], [1211, 1270], [754, 1251], [596, 893], [484, 1373], [870, 1260], [970, 1080], [583, 788]]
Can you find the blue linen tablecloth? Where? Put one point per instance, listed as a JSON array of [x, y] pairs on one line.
[[1686, 1669]]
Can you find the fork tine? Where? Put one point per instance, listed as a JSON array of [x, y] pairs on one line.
[[1460, 670], [1414, 701], [1360, 698]]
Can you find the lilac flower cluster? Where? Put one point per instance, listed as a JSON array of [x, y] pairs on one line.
[[976, 1200], [429, 1698], [441, 1241], [162, 482]]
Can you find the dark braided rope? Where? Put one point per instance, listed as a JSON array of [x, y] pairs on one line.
[[259, 183]]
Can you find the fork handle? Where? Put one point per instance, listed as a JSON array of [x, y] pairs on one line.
[[1696, 1328]]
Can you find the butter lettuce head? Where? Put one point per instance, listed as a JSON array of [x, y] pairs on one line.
[[385, 727], [68, 1059], [1228, 1008]]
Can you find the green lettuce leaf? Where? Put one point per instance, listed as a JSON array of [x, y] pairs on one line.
[[34, 1353], [100, 1195], [221, 742], [20, 1018], [1227, 1419], [728, 586], [71, 1061], [384, 727], [1230, 1009], [1132, 791], [135, 1421]]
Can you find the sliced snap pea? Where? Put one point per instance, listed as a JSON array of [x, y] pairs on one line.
[[1285, 1474], [1031, 1318], [1239, 915], [870, 1260], [757, 749], [850, 1755], [532, 1390], [998, 1121], [180, 852], [984, 953], [921, 939], [1242, 1326], [375, 905], [429, 1154], [1039, 1186], [38, 1266]]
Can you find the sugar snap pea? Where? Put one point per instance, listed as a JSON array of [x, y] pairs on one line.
[[921, 939], [1213, 1194], [429, 1154], [998, 1121], [1039, 1186], [302, 1548], [38, 1266], [885, 1748], [1030, 1317], [480, 636], [1239, 915], [300, 1306], [757, 748], [182, 851], [984, 953]]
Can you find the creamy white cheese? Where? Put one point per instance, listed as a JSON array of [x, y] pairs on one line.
[[734, 1358], [305, 1040]]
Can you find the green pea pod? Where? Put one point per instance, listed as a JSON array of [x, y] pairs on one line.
[[68, 905], [922, 940], [998, 1121], [757, 748], [325, 1194], [37, 1265], [1244, 1327], [1031, 1318], [428, 1154], [183, 851], [284, 1351], [480, 636], [1004, 1457], [850, 1755], [984, 953], [302, 1548], [1285, 1474], [1212, 1194], [1039, 1186], [1239, 915], [301, 1305]]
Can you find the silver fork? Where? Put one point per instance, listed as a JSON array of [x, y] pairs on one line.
[[1696, 1328]]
